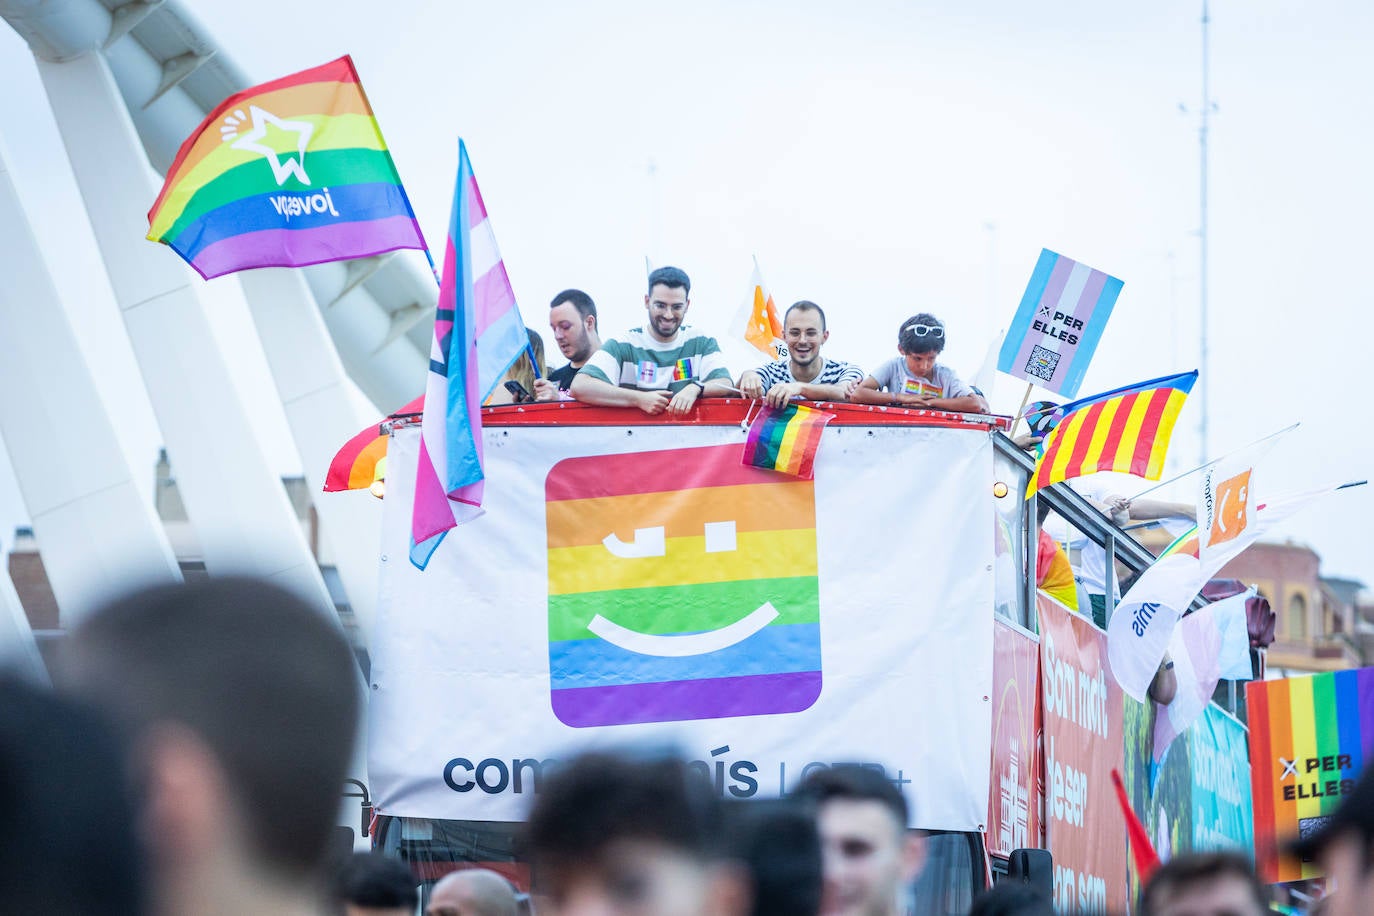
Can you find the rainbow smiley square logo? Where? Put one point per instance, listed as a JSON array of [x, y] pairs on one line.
[[682, 585]]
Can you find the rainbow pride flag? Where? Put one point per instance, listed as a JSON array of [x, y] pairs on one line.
[[1309, 737], [355, 465], [786, 440], [1186, 542], [1125, 430], [674, 600], [285, 174]]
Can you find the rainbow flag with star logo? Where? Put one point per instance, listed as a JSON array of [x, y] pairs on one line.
[[285, 174], [1310, 738], [786, 440], [1125, 430]]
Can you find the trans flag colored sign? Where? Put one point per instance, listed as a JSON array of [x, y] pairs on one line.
[[1058, 324], [683, 595]]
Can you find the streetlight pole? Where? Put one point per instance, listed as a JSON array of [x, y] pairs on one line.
[[1202, 237]]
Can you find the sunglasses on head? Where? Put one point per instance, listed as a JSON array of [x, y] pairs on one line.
[[923, 330]]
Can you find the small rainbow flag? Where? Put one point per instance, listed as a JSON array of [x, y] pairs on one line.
[[682, 369], [786, 440], [355, 465], [1186, 542], [285, 174], [1125, 430], [1309, 737]]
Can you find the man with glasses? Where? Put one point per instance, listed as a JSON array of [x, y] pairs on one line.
[[914, 378], [661, 366], [804, 373]]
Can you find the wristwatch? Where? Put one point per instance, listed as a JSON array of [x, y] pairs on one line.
[[699, 383]]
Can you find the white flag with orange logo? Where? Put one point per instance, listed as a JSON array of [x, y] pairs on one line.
[[757, 320], [1226, 498]]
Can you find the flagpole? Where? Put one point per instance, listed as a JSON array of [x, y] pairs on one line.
[[1025, 399], [1205, 464]]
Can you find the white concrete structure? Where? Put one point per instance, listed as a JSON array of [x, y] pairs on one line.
[[102, 533], [128, 74]]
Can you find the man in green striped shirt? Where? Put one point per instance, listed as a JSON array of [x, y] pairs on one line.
[[661, 366]]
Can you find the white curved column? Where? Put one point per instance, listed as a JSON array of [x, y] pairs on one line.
[[98, 533], [240, 511], [322, 416]]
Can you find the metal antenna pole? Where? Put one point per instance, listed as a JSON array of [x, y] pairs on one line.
[[1202, 236]]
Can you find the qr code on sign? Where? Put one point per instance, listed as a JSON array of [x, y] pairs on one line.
[[1042, 363]]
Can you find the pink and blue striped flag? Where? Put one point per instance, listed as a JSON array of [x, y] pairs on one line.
[[1058, 324], [478, 333]]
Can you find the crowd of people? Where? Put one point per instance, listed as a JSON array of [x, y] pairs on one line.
[[191, 756], [667, 365]]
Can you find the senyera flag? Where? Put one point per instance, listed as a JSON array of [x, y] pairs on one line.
[[1125, 430], [285, 174], [1058, 323], [478, 333], [786, 440]]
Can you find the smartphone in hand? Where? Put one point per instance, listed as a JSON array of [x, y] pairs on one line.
[[519, 392]]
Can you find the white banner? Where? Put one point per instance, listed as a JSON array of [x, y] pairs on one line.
[[637, 585]]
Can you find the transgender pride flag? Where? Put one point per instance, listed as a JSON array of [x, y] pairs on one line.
[[1052, 338], [478, 333]]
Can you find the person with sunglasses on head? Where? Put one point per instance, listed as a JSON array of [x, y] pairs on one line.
[[914, 378]]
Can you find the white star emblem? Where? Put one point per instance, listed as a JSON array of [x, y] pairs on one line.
[[249, 142]]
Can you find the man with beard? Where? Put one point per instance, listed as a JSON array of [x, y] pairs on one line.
[[804, 373], [664, 365], [572, 316]]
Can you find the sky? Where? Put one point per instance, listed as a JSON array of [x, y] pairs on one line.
[[878, 158]]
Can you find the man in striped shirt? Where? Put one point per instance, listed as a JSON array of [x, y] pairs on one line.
[[661, 366], [804, 373]]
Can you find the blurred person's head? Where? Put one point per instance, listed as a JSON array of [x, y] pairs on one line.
[[70, 847], [371, 884], [629, 835], [472, 892], [1011, 898], [240, 702], [1204, 884], [869, 855], [1344, 848], [777, 841]]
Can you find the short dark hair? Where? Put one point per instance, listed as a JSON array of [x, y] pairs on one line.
[[671, 277], [806, 305], [777, 841], [1192, 868], [371, 879], [599, 798], [265, 680], [579, 300], [68, 798], [853, 782], [909, 342], [1010, 897]]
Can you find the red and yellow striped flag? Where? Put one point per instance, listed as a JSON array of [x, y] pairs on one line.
[[1125, 430]]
